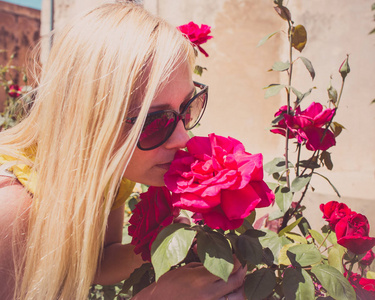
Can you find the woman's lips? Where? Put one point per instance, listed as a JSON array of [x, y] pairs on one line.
[[164, 166]]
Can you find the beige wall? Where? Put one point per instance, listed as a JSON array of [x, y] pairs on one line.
[[237, 71]]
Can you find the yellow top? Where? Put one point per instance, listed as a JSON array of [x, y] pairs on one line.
[[26, 176]]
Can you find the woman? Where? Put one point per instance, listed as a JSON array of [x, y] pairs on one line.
[[107, 108]]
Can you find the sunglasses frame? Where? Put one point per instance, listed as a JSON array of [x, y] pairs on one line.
[[178, 116]]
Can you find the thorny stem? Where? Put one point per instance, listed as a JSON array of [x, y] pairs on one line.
[[288, 100]]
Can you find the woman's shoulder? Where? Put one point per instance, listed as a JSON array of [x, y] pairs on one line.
[[14, 200]]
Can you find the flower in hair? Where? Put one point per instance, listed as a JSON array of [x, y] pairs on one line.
[[197, 35]]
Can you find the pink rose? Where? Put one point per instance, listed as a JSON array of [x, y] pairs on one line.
[[150, 216], [197, 35], [334, 211], [352, 232], [218, 180], [306, 126], [14, 91]]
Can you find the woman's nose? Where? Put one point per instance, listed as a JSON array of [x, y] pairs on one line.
[[179, 137]]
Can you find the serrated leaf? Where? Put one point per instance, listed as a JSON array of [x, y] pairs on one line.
[[273, 90], [317, 237], [299, 37], [283, 198], [215, 253], [280, 66], [300, 182], [296, 237], [277, 165], [170, 247], [335, 255], [290, 227], [304, 255], [260, 284], [298, 285], [266, 38], [135, 277], [337, 286], [308, 66], [274, 242], [250, 249]]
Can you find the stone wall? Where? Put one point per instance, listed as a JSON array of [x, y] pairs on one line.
[[19, 32], [238, 70]]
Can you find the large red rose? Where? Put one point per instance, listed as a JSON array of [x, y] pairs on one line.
[[150, 216], [218, 180], [197, 35], [352, 232], [307, 126], [334, 211]]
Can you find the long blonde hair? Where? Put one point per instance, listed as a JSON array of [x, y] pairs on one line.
[[89, 84]]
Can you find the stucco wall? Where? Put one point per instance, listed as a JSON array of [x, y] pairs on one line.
[[19, 32], [237, 72]]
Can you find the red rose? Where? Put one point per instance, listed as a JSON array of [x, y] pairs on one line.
[[150, 216], [334, 211], [197, 35], [353, 233], [364, 287], [281, 127], [218, 180], [368, 258], [14, 91], [306, 126]]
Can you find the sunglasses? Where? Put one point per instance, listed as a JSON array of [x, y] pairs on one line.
[[160, 125]]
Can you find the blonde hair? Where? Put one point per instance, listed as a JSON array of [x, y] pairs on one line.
[[90, 82]]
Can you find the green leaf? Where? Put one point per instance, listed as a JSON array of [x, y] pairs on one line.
[[276, 214], [135, 277], [335, 255], [317, 237], [283, 198], [247, 222], [300, 182], [266, 38], [280, 66], [250, 248], [308, 66], [332, 93], [283, 256], [199, 70], [370, 275], [260, 284], [299, 37], [336, 191], [337, 286], [215, 253], [273, 90], [274, 242], [276, 165], [301, 96], [290, 227], [296, 237], [298, 285], [170, 247], [304, 255]]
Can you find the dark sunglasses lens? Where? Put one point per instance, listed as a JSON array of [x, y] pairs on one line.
[[157, 129], [195, 111]]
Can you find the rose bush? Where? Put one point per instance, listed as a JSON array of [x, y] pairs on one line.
[[197, 35], [150, 216], [218, 179], [307, 126]]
